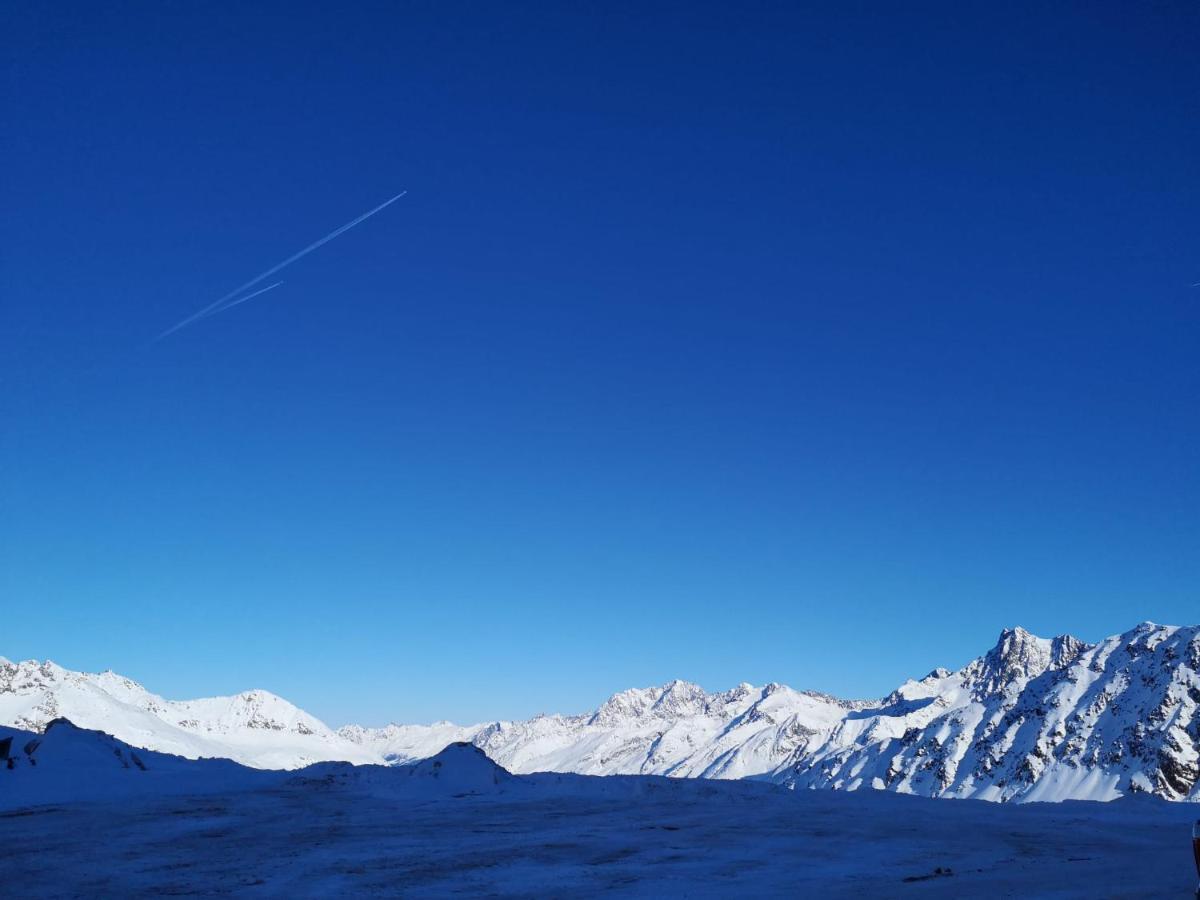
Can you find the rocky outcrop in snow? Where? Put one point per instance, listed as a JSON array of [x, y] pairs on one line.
[[1032, 719]]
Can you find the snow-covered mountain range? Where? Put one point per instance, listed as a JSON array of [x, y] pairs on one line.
[[1031, 719], [254, 728]]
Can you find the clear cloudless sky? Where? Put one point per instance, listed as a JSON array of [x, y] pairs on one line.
[[810, 343]]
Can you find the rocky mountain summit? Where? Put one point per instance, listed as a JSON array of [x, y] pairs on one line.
[[1032, 719]]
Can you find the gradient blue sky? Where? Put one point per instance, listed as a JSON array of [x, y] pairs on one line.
[[762, 343]]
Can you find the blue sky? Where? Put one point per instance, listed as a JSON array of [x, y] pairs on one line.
[[811, 345]]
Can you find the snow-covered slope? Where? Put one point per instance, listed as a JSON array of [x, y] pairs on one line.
[[457, 770], [255, 728], [676, 730], [400, 744], [1032, 719], [67, 763]]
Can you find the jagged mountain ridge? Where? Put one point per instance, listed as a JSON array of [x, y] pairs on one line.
[[1032, 719], [1035, 720], [678, 729]]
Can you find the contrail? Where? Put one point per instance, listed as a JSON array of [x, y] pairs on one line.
[[221, 309], [271, 271]]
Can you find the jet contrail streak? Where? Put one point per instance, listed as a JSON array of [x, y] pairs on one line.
[[221, 309], [271, 271]]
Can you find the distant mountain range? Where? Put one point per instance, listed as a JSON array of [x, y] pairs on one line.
[[256, 728], [1031, 719]]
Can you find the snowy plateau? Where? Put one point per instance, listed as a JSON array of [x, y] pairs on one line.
[[109, 790]]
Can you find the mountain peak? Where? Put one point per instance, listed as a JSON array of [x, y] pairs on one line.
[[675, 698], [1018, 656], [1017, 636], [256, 728], [680, 692]]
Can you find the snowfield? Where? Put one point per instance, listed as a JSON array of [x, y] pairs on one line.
[[88, 820]]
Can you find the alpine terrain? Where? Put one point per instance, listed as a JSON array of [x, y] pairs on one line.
[[254, 728], [83, 814], [1031, 719]]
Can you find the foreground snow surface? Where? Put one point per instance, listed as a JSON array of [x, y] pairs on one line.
[[460, 824], [658, 838]]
